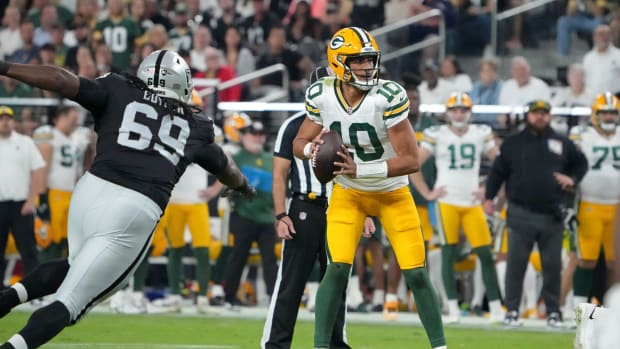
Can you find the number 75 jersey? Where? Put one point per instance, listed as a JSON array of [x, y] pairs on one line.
[[601, 184], [363, 128], [457, 158]]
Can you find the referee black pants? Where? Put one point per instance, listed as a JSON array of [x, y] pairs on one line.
[[298, 259], [22, 228], [524, 229], [245, 232]]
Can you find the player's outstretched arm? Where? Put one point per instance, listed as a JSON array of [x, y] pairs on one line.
[[46, 77], [213, 159]]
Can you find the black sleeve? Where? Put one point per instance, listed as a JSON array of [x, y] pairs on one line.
[[577, 162], [212, 158], [92, 95], [499, 172]]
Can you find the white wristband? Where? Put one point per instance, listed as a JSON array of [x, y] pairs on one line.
[[372, 170], [308, 150]]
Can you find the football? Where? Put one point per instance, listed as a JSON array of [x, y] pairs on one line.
[[323, 159]]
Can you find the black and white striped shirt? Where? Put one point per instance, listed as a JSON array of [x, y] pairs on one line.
[[301, 178]]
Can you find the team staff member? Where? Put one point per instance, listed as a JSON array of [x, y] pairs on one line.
[[303, 242], [252, 220], [21, 175], [539, 166]]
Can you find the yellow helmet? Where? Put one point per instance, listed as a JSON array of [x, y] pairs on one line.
[[353, 42], [459, 100], [605, 102], [234, 123]]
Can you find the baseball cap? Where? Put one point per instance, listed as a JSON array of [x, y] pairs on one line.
[[4, 110], [538, 104], [256, 127]]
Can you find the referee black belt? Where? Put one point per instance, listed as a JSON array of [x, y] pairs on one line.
[[313, 198]]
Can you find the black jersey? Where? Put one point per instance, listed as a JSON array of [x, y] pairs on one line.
[[140, 145]]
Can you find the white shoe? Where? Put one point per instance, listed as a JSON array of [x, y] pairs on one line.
[[451, 319], [170, 304], [585, 314], [134, 303], [203, 306]]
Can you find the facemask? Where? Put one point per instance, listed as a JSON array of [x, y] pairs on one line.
[[608, 126]]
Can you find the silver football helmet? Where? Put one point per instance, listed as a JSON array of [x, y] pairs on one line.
[[168, 74]]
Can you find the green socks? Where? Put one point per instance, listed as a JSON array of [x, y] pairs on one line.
[[175, 269], [203, 268], [489, 275], [448, 256], [139, 277], [220, 265], [427, 303], [328, 302], [582, 281]]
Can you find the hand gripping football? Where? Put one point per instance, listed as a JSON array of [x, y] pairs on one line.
[[323, 159]]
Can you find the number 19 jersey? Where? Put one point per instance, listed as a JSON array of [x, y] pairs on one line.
[[363, 128], [457, 159]]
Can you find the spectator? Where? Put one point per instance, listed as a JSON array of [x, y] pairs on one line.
[[538, 166], [257, 27], [35, 13], [47, 54], [137, 12], [88, 11], [238, 56], [433, 89], [20, 180], [57, 35], [277, 52], [452, 73], [87, 69], [229, 17], [154, 13], [473, 26], [29, 51], [181, 35], [522, 87], [13, 88], [486, 91], [158, 37], [368, 14], [49, 17], [252, 220], [104, 59], [83, 37], [119, 33], [201, 40], [301, 25], [582, 16], [602, 63], [10, 37], [575, 94], [216, 69], [421, 30]]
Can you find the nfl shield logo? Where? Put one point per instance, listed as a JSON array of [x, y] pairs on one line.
[[303, 215]]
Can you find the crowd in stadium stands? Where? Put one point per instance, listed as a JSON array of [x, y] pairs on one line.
[[225, 39]]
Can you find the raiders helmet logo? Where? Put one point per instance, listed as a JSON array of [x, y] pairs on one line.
[[337, 42]]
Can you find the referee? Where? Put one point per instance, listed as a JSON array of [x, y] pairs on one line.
[[303, 230]]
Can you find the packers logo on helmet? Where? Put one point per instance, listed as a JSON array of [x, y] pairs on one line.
[[605, 103], [350, 43], [460, 101], [233, 125]]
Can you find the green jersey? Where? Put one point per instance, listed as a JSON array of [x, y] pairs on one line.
[[258, 169], [119, 35]]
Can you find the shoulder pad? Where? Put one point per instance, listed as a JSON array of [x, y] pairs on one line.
[[43, 133]]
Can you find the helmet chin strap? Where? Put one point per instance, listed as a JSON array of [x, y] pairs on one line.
[[459, 124], [608, 126]]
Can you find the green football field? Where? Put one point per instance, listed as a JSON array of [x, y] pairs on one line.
[[193, 332]]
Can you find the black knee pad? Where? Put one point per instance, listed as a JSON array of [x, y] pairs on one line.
[[45, 323]]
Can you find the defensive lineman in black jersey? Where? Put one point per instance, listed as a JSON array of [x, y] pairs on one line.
[[147, 135]]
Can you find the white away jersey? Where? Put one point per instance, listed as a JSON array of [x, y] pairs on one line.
[[187, 190], [363, 128], [67, 161], [457, 159], [601, 183]]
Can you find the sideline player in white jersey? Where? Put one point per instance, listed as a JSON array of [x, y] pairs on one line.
[[599, 191], [457, 149], [64, 146], [379, 151]]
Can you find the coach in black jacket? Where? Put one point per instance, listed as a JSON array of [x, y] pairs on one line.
[[538, 166]]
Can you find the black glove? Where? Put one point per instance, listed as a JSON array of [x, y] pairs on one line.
[[43, 208], [245, 190], [4, 67]]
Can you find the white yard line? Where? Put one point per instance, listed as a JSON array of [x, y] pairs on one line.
[[93, 345]]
